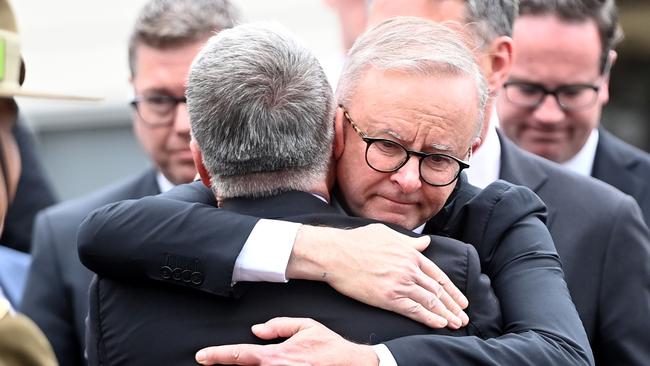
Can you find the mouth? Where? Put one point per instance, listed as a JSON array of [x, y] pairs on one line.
[[400, 202], [182, 154], [544, 135]]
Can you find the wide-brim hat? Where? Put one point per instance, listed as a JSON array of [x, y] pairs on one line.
[[11, 62]]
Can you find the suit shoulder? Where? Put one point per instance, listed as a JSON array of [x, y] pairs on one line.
[[520, 198], [70, 213], [565, 188], [625, 149]]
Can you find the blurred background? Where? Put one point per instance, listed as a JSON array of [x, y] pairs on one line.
[[80, 47]]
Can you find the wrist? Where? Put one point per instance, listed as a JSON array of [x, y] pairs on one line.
[[312, 249]]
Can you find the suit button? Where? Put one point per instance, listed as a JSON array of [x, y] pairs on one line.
[[177, 273], [196, 278], [166, 272]]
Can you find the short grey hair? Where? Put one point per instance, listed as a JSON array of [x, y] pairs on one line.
[[490, 19], [487, 19], [412, 45], [261, 111], [163, 24], [602, 12]]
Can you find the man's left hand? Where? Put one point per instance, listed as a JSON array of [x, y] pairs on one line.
[[309, 343]]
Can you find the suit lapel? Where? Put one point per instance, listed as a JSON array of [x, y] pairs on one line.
[[145, 185], [613, 165], [522, 168]]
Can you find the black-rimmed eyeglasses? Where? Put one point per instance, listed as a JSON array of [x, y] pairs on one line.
[[569, 97], [388, 156], [157, 110]]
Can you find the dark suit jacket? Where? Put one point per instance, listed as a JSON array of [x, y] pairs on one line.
[[56, 294], [33, 194], [159, 314], [515, 248], [605, 251], [625, 167]]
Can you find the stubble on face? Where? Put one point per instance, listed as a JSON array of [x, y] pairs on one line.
[[431, 114]]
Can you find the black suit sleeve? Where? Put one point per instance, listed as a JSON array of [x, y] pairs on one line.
[[541, 324], [151, 238], [484, 321], [625, 290]]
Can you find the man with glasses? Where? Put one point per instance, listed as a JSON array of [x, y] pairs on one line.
[[604, 238], [388, 112], [233, 135], [166, 37], [559, 83]]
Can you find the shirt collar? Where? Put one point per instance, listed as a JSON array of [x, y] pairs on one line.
[[583, 162], [164, 184], [486, 161]]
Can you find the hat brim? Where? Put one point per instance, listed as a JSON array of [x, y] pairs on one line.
[[21, 92]]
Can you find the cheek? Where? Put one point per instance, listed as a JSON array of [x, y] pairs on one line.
[[152, 139], [587, 120], [436, 197], [507, 112]]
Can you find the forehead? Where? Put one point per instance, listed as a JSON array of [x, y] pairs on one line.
[[553, 51], [168, 66], [435, 10], [440, 110]]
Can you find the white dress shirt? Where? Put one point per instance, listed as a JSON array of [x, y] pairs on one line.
[[164, 184], [485, 165], [583, 162]]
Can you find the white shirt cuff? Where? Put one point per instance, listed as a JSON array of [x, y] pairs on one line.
[[385, 356], [265, 255]]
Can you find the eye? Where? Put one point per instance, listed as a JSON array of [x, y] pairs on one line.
[[574, 91], [158, 99], [528, 89], [388, 147], [438, 162]]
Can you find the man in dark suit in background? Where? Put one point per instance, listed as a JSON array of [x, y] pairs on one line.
[[379, 117], [165, 39], [268, 157], [603, 238], [559, 84]]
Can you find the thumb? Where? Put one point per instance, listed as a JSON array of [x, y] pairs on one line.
[[281, 327], [421, 243]]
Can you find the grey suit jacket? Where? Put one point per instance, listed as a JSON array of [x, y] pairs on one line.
[[625, 167], [56, 294], [604, 247]]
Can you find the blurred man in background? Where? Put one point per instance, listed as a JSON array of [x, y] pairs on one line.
[[552, 102], [166, 37]]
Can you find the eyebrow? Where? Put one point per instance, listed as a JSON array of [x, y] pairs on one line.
[[441, 147], [434, 146]]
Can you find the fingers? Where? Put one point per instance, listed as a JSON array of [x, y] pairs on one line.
[[431, 270], [282, 327], [236, 354], [416, 311], [421, 243], [432, 303]]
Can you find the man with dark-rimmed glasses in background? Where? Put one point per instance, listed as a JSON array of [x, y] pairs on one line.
[[166, 37], [559, 84]]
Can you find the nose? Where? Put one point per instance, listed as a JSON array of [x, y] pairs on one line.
[[182, 120], [549, 111], [408, 176]]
